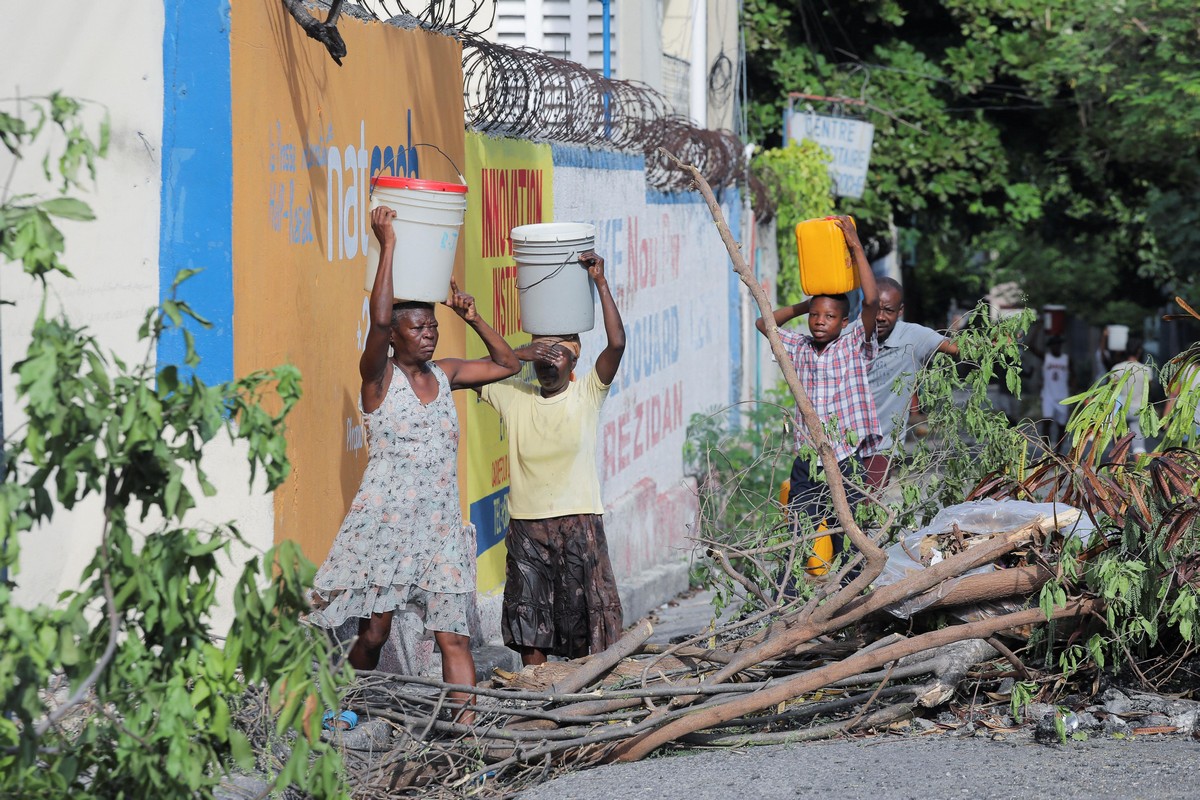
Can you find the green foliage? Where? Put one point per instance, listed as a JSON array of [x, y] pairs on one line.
[[740, 469], [1143, 566], [968, 439], [1023, 693], [149, 688], [1060, 724], [1057, 137], [798, 180], [27, 231], [748, 462]]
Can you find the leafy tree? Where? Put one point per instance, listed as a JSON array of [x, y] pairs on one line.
[[1052, 142], [798, 182], [149, 691]]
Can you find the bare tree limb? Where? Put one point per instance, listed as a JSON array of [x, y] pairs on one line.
[[809, 681], [874, 555], [324, 32], [722, 560], [601, 663], [110, 648]]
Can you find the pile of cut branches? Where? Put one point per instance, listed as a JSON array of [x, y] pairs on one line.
[[816, 671], [830, 661]]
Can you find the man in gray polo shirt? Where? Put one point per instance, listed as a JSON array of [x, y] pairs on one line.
[[904, 349]]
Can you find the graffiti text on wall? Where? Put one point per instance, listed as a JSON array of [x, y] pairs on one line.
[[285, 213], [652, 345], [506, 304], [639, 428], [653, 260], [511, 197], [347, 175]]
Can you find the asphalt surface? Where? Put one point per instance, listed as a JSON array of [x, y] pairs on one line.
[[933, 766], [920, 768]]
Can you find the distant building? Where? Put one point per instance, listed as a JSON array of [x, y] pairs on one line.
[[687, 49]]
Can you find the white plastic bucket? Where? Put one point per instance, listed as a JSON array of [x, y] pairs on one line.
[[554, 288], [1118, 337], [429, 217]]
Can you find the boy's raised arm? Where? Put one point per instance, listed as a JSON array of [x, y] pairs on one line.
[[783, 316], [866, 277]]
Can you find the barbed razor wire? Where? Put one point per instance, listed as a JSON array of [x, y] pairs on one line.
[[524, 93], [520, 92], [441, 16]]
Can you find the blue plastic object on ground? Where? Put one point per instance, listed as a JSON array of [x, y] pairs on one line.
[[341, 721]]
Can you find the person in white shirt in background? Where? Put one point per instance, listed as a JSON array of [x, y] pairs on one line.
[[1056, 373], [1132, 397]]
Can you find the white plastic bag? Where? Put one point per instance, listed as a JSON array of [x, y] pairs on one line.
[[977, 518]]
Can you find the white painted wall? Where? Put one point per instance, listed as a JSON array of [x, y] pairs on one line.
[[761, 372], [670, 274], [638, 31], [698, 31], [114, 61]]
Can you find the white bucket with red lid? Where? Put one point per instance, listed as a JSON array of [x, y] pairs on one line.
[[429, 218], [555, 289]]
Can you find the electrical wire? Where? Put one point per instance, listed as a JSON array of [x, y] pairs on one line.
[[720, 80]]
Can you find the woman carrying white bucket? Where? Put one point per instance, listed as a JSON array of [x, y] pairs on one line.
[[403, 545], [560, 597]]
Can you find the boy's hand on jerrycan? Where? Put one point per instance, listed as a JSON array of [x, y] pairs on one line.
[[848, 230]]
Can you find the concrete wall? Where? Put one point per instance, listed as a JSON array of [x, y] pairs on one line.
[[721, 35], [681, 309], [761, 372], [117, 63], [307, 135], [225, 126]]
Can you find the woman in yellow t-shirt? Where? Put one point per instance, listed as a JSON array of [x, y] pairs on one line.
[[560, 596]]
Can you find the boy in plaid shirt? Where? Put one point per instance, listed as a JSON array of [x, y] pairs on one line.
[[832, 367]]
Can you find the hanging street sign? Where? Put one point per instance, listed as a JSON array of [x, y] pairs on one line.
[[847, 140]]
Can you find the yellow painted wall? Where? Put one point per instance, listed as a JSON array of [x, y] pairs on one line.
[[307, 134], [511, 184]]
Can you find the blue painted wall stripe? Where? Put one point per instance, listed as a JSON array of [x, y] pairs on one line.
[[490, 517], [732, 206], [688, 198], [196, 225], [583, 158]]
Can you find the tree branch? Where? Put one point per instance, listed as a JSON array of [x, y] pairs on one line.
[[874, 555], [324, 32], [110, 649], [811, 680]]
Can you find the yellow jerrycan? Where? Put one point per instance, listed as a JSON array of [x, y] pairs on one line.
[[825, 263], [818, 563]]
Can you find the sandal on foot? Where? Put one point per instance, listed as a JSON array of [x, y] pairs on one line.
[[340, 721]]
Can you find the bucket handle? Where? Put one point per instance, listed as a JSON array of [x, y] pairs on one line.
[[557, 270], [371, 191]]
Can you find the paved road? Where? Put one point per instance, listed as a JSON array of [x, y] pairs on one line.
[[929, 767], [920, 768]]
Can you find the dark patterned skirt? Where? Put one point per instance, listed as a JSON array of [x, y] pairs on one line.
[[560, 596]]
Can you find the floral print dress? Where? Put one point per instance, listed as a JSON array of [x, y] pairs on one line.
[[403, 540]]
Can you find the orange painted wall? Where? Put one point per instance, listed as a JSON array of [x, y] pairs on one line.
[[306, 136]]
